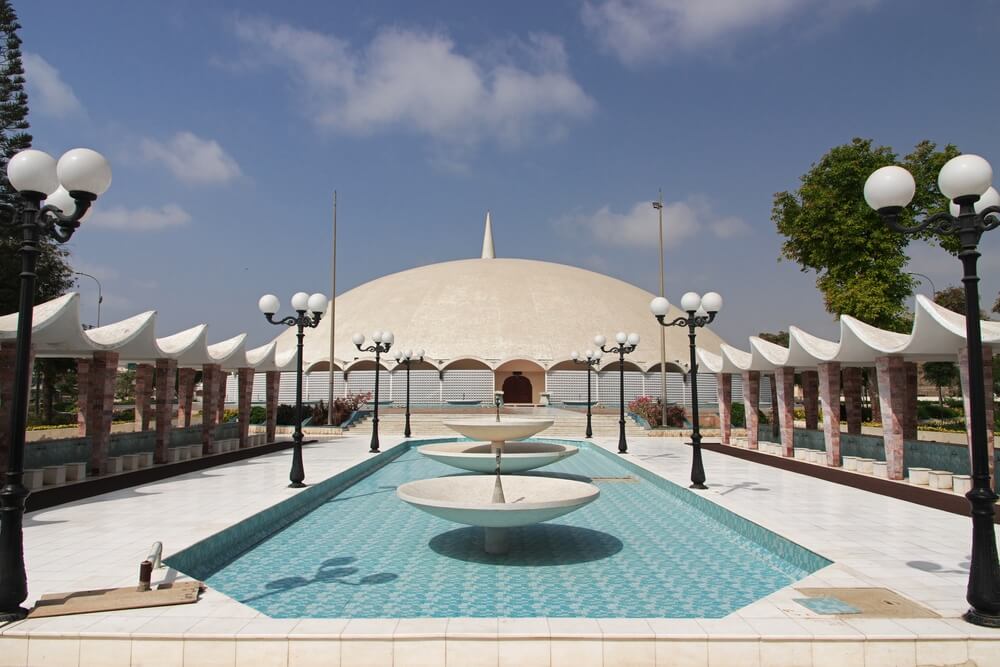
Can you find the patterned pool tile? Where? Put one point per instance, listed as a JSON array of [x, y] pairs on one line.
[[643, 549]]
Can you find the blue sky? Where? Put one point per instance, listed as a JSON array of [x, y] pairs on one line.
[[230, 124]]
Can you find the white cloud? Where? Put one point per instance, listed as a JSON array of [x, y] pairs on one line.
[[142, 219], [192, 159], [639, 226], [418, 82], [643, 30], [48, 94]]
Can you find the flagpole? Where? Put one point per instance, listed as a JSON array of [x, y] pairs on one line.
[[333, 313]]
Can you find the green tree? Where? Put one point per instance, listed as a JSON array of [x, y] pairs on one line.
[[829, 228], [945, 373], [996, 305], [54, 273]]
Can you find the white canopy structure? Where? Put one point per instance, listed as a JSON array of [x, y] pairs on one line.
[[56, 332], [938, 334]]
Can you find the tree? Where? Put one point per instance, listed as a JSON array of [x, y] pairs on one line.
[[54, 274], [829, 228], [996, 305], [945, 373]]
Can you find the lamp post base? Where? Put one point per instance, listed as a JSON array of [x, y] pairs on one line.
[[296, 485], [979, 618], [698, 486], [11, 616]]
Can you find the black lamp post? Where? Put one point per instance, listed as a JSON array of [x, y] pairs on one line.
[[68, 189], [408, 358], [301, 302], [626, 345], [382, 342], [975, 209], [700, 310], [591, 359]]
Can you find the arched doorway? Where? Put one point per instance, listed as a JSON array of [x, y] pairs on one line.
[[517, 389]]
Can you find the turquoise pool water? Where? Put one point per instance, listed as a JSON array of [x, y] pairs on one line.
[[645, 548]]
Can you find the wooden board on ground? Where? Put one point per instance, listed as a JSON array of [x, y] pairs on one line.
[[113, 599], [873, 602]]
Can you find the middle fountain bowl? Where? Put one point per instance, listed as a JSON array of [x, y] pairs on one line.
[[480, 456]]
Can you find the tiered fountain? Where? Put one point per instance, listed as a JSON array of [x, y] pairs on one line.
[[503, 501]]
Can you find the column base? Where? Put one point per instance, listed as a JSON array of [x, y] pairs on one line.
[[979, 618], [496, 541]]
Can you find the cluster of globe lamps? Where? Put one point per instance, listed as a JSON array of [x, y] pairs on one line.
[[67, 187], [974, 208]]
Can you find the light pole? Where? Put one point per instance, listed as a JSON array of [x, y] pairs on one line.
[[590, 360], [929, 281], [626, 345], [974, 209], [408, 358], [100, 295], [301, 302], [658, 205], [382, 342], [68, 188], [701, 310]]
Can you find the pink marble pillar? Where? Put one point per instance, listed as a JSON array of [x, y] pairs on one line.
[[963, 370], [166, 372], [751, 399], [8, 353], [724, 385], [910, 409], [143, 396], [209, 404], [185, 395], [784, 380], [220, 397], [852, 398], [100, 403], [83, 383], [272, 385], [873, 392], [244, 398], [892, 399], [810, 398], [829, 396]]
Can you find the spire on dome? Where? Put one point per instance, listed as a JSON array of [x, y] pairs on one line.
[[488, 239]]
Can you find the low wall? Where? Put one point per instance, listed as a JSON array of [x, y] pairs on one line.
[[950, 456], [56, 452]]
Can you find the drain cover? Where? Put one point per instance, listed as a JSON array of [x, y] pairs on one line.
[[870, 602]]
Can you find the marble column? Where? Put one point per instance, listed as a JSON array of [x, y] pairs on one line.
[[220, 397], [810, 398], [185, 396], [891, 373], [829, 396], [751, 399], [910, 409], [96, 381], [272, 385], [724, 387], [143, 396], [166, 372], [963, 370], [784, 379], [244, 399], [209, 403], [852, 398]]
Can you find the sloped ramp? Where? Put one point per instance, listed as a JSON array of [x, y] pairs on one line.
[[114, 599]]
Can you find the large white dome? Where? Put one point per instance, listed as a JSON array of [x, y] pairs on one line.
[[497, 310]]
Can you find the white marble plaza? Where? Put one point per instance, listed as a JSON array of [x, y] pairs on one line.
[[873, 541]]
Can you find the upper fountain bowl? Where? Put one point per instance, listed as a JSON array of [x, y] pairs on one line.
[[508, 428]]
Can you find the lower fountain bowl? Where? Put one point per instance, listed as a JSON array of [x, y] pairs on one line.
[[517, 456], [468, 499]]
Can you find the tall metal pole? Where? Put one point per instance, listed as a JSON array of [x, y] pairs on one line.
[[697, 469], [297, 473], [406, 430], [663, 337], [100, 293], [374, 443], [333, 312], [590, 431], [13, 576]]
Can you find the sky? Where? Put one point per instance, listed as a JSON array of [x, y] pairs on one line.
[[229, 125]]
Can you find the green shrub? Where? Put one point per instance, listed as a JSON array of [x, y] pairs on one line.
[[230, 415], [738, 415], [258, 414], [935, 411]]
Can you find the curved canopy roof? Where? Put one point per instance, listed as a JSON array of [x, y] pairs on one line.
[[937, 335], [56, 332]]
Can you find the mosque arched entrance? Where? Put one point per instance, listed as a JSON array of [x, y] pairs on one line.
[[517, 389]]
